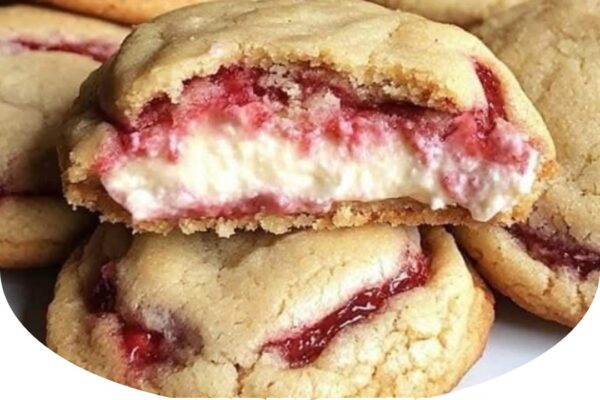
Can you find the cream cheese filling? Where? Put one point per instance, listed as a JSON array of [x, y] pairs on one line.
[[218, 164]]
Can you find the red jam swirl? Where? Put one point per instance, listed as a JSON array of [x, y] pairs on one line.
[[142, 347], [493, 92], [305, 346], [103, 298], [558, 250], [95, 50]]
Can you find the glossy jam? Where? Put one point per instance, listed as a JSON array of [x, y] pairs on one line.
[[142, 347], [98, 51], [559, 250], [305, 346], [493, 92]]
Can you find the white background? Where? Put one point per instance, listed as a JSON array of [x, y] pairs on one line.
[[568, 371]]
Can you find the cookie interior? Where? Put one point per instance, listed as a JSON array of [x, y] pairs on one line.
[[294, 139]]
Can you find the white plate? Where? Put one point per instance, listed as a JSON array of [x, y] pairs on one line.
[[517, 337]]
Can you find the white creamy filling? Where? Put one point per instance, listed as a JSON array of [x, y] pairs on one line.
[[217, 164]]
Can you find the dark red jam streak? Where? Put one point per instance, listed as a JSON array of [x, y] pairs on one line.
[[493, 92], [305, 346], [142, 347], [559, 250], [103, 299], [98, 51]]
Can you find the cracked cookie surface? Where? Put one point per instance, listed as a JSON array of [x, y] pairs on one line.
[[460, 12], [44, 57], [551, 47], [224, 303]]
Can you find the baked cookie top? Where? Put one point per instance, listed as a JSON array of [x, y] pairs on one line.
[[435, 71], [561, 36], [45, 55], [460, 12], [338, 313]]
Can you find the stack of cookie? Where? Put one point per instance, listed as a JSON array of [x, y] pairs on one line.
[[274, 178], [45, 55], [276, 159]]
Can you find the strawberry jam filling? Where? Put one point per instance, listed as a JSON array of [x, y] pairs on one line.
[[305, 138], [557, 250], [96, 50], [142, 347], [306, 345]]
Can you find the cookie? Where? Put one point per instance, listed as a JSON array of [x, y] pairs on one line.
[[550, 265], [38, 231], [460, 12], [124, 11], [44, 57], [24, 27], [358, 312], [237, 115]]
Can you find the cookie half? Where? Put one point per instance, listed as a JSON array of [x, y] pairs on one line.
[[124, 11], [44, 57], [368, 312], [243, 114], [460, 12], [550, 265]]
